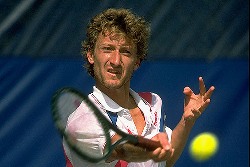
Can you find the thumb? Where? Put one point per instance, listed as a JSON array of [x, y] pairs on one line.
[[187, 92]]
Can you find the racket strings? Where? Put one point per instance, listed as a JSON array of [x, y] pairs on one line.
[[65, 102]]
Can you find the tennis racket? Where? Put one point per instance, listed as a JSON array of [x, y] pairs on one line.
[[64, 102]]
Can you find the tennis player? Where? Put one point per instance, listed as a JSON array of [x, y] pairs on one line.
[[116, 44]]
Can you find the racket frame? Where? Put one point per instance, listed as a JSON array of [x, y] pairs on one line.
[[105, 123]]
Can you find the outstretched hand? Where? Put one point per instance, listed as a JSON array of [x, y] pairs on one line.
[[194, 105]]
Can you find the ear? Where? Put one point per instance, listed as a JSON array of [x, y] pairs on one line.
[[90, 57]]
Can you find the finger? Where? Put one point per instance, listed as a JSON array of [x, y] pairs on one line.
[[202, 86], [209, 93], [188, 92], [204, 106], [163, 153], [163, 138], [166, 155], [154, 154]]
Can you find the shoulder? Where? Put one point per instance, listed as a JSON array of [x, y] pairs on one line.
[[150, 97], [80, 118]]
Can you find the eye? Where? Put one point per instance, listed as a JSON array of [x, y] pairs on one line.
[[107, 48], [125, 52]]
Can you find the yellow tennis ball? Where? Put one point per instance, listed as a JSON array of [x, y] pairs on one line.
[[203, 146]]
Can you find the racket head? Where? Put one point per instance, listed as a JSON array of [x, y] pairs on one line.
[[64, 102]]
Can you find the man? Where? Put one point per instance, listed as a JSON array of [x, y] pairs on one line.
[[116, 44]]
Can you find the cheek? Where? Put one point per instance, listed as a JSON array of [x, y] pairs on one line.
[[131, 67], [134, 65], [101, 58], [97, 66]]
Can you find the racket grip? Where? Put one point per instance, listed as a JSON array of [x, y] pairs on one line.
[[150, 145]]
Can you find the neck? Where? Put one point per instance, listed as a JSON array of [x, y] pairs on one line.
[[119, 95]]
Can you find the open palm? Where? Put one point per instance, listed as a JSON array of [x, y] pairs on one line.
[[195, 104]]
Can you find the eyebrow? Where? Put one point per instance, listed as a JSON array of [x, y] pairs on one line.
[[109, 44]]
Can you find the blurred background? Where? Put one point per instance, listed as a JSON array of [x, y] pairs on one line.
[[40, 43]]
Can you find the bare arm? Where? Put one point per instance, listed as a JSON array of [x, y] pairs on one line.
[[194, 106]]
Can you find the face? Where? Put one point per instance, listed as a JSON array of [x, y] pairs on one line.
[[114, 60]]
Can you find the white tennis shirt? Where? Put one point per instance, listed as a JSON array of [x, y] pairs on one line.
[[80, 121]]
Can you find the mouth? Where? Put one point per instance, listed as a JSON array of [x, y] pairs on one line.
[[114, 72]]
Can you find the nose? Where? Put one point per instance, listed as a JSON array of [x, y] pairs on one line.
[[115, 58]]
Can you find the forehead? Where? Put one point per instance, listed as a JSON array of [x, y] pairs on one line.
[[115, 38]]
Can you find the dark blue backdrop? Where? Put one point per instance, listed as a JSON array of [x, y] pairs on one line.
[[216, 31], [28, 137]]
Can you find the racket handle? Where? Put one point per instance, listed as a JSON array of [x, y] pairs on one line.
[[147, 143]]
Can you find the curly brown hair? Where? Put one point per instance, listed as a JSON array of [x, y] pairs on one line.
[[116, 20]]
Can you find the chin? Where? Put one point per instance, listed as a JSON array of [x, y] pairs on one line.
[[113, 84]]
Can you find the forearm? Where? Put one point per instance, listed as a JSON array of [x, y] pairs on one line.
[[179, 138], [130, 153]]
